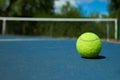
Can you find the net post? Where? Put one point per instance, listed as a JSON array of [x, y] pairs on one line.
[[4, 27], [107, 30], [116, 29]]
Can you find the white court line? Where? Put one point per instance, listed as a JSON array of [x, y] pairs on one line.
[[29, 39]]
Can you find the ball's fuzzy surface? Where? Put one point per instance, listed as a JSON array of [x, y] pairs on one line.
[[89, 45]]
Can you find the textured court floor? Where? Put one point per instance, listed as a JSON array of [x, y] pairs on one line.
[[55, 59]]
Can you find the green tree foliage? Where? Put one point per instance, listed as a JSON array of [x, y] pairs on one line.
[[94, 15], [69, 10], [26, 8], [66, 29], [45, 8], [114, 8]]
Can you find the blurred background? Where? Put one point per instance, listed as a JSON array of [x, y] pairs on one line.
[[60, 9]]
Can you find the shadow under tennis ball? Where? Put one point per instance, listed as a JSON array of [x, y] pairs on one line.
[[98, 57]]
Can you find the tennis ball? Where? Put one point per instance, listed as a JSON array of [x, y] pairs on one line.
[[89, 45]]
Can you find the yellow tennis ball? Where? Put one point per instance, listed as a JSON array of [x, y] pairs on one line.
[[89, 45]]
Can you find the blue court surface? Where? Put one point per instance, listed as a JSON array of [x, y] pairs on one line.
[[34, 58]]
